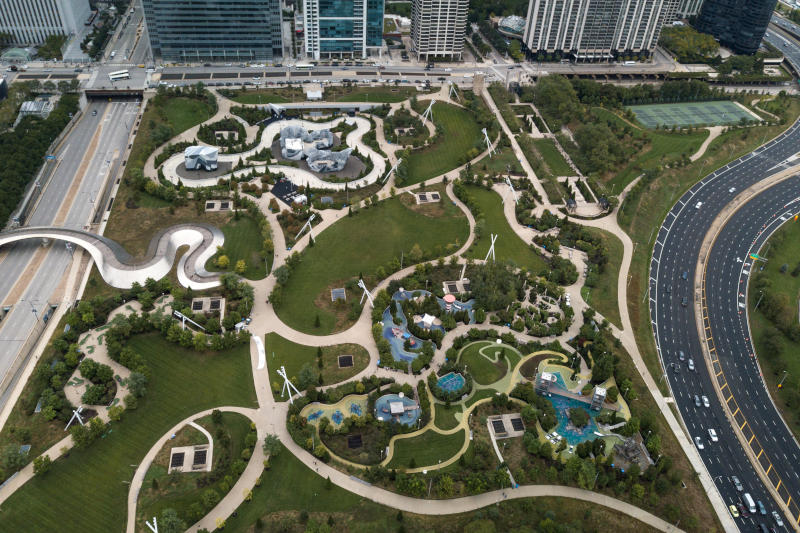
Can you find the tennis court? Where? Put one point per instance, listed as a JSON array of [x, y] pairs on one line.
[[691, 114]]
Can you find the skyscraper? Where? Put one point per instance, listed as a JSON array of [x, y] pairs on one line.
[[33, 21], [342, 28], [688, 8], [438, 27], [738, 24], [596, 29], [214, 30]]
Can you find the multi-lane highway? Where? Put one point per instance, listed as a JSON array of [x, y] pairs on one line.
[[30, 275], [673, 292]]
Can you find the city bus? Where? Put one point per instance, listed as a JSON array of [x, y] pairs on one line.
[[119, 75], [304, 66]]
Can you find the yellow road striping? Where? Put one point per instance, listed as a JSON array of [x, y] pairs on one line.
[[751, 438], [768, 469], [743, 425], [734, 413], [728, 400], [759, 453], [778, 486], [726, 384]]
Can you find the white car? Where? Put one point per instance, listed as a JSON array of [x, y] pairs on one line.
[[706, 403], [699, 442], [698, 205], [712, 435]]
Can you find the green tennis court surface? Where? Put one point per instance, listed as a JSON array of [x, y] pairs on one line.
[[690, 114]]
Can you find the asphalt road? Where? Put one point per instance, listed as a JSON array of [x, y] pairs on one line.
[[676, 251], [86, 168]]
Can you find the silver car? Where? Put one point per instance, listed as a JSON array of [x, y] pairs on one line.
[[691, 365]]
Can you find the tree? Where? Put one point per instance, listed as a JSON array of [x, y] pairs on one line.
[[415, 255], [241, 266], [223, 262], [137, 384], [308, 376], [12, 459], [272, 445], [170, 522], [578, 416], [115, 413], [200, 342], [41, 465]]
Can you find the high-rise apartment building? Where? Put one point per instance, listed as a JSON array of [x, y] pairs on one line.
[[738, 24], [438, 27], [33, 21], [214, 30], [596, 29], [689, 8], [342, 28]]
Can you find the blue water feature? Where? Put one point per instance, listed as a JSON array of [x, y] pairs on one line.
[[355, 409], [315, 415], [409, 416], [457, 305], [451, 382], [573, 435], [337, 417]]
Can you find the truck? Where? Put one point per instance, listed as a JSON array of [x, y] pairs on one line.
[[748, 501]]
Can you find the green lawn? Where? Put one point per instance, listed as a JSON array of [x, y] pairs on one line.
[[268, 96], [603, 296], [386, 94], [242, 241], [775, 357], [500, 162], [183, 113], [508, 245], [179, 491], [359, 245], [460, 134], [279, 508], [426, 449], [484, 371], [293, 356], [551, 187], [445, 417], [183, 382], [553, 158]]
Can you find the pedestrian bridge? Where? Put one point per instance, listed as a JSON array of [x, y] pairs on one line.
[[120, 270]]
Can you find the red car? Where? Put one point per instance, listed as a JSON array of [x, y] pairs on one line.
[[743, 510]]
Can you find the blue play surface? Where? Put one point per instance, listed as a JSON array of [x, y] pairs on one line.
[[313, 416], [355, 409], [337, 417], [382, 411], [451, 382]]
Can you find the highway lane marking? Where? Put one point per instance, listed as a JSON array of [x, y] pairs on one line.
[[751, 438]]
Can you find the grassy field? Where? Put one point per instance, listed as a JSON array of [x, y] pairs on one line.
[[293, 356], [508, 245], [459, 135], [444, 417], [690, 114], [553, 158], [784, 248], [500, 162], [181, 490], [242, 241], [269, 96], [386, 94], [551, 187], [183, 382], [426, 449], [483, 370], [278, 509], [603, 296], [359, 245]]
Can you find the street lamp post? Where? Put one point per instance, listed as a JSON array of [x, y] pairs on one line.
[[785, 373]]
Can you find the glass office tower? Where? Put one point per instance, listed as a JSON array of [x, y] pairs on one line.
[[342, 28], [738, 24], [214, 30]]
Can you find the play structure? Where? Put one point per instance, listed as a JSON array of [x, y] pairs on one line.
[[201, 157], [397, 408]]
